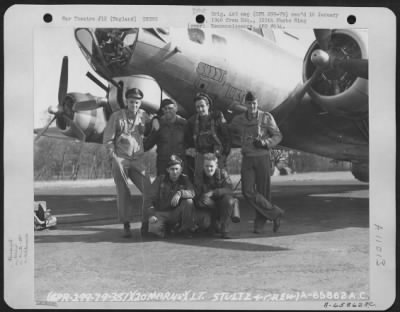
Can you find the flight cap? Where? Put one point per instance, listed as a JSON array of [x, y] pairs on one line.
[[166, 102], [174, 160], [134, 93], [250, 96]]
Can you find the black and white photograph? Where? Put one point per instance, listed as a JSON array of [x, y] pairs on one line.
[[222, 163]]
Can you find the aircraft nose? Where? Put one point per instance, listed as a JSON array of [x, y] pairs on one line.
[[117, 47], [108, 50]]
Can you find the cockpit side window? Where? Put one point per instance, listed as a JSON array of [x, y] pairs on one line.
[[88, 46], [196, 35], [108, 50]]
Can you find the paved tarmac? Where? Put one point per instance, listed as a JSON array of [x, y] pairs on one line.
[[322, 245]]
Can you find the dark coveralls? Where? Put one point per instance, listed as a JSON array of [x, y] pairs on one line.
[[256, 166], [162, 191], [169, 140], [214, 200], [208, 134]]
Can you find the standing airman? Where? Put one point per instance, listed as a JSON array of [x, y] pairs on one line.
[[259, 133]]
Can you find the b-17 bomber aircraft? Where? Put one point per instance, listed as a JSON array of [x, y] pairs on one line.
[[320, 101]]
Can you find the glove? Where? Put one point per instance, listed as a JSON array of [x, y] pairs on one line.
[[258, 143]]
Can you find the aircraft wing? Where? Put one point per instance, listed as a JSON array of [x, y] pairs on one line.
[[305, 127]]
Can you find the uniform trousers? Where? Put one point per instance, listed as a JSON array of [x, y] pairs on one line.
[[182, 214], [133, 169], [216, 208], [256, 187]]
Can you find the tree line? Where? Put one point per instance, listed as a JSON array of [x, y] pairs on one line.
[[56, 159]]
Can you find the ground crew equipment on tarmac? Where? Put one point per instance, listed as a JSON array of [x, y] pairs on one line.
[[42, 217]]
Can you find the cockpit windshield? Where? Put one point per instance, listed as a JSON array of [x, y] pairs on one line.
[[107, 49], [116, 44]]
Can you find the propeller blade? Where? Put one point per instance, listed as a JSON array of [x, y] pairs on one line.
[[86, 105], [309, 82], [358, 67], [282, 111], [45, 128], [77, 131], [63, 86], [323, 37], [335, 86]]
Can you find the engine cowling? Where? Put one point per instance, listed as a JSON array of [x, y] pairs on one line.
[[91, 122], [152, 93], [337, 91], [360, 171]]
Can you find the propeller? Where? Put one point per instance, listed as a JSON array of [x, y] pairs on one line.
[[358, 67], [324, 61], [45, 128], [282, 111], [323, 37], [89, 105], [320, 58], [63, 86], [59, 113]]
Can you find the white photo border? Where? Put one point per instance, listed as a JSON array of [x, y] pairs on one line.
[[19, 22]]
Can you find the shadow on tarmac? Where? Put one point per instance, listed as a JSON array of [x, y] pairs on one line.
[[308, 209], [101, 235]]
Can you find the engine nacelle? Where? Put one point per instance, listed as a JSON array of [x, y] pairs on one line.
[[337, 91], [92, 122], [152, 93], [360, 171]]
